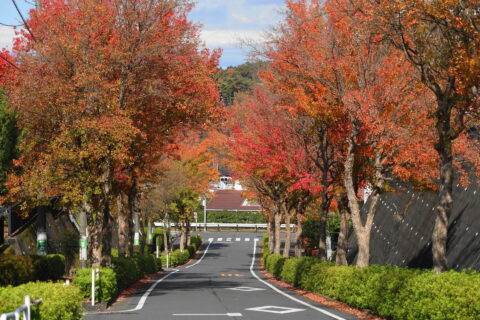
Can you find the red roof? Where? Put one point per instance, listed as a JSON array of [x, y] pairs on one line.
[[231, 200]]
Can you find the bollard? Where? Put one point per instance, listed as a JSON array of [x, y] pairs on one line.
[[168, 259], [93, 287], [256, 227], [218, 227], [237, 227]]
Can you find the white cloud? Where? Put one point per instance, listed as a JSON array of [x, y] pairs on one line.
[[221, 38], [6, 36], [241, 18]]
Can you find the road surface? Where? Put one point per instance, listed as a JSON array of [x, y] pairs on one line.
[[223, 283]]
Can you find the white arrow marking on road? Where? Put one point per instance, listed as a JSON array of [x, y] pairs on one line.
[[207, 314]]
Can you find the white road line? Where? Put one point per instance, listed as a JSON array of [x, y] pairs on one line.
[[220, 239], [283, 293], [143, 299], [247, 239], [207, 314], [229, 239], [237, 239]]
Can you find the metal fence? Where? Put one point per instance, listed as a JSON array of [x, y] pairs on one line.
[[24, 310], [224, 225]]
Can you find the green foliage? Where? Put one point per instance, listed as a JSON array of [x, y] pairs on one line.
[[196, 240], [15, 270], [59, 302], [146, 264], [127, 272], [391, 292], [235, 217], [274, 264], [9, 136], [106, 283], [237, 79], [50, 267]]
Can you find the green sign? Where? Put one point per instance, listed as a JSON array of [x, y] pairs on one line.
[[150, 236], [42, 245], [136, 239], [83, 243]]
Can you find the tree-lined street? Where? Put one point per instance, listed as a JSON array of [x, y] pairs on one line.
[[224, 283]]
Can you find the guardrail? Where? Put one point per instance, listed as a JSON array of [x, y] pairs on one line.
[[24, 310], [225, 225]]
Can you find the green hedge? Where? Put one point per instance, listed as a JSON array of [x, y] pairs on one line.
[[391, 292], [235, 217], [59, 302], [123, 273], [106, 283], [15, 270], [50, 267], [178, 257]]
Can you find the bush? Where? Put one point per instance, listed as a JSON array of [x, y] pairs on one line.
[[15, 270], [106, 283], [274, 264], [146, 264], [59, 302], [391, 292], [127, 272], [196, 242], [50, 267]]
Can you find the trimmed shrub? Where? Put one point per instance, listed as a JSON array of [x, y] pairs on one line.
[[126, 271], [196, 242], [146, 264], [274, 264], [15, 270], [59, 302], [106, 283], [50, 267]]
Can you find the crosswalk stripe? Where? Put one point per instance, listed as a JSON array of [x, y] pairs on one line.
[[220, 239], [237, 239], [247, 239], [229, 239]]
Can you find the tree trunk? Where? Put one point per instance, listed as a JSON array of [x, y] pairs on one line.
[[122, 222], [188, 233], [322, 243], [278, 221], [362, 231], [99, 221], [444, 208], [271, 233], [182, 236], [288, 235], [165, 234], [342, 243], [143, 238], [298, 234]]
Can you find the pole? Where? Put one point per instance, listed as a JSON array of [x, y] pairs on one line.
[[158, 247], [93, 287], [204, 202], [83, 240]]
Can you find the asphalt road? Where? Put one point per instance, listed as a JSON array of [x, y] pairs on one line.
[[223, 283]]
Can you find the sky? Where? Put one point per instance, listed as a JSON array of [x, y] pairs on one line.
[[225, 23]]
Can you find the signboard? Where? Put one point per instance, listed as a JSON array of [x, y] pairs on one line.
[[83, 242], [195, 215], [136, 239]]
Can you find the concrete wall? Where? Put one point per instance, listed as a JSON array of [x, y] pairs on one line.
[[403, 227]]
